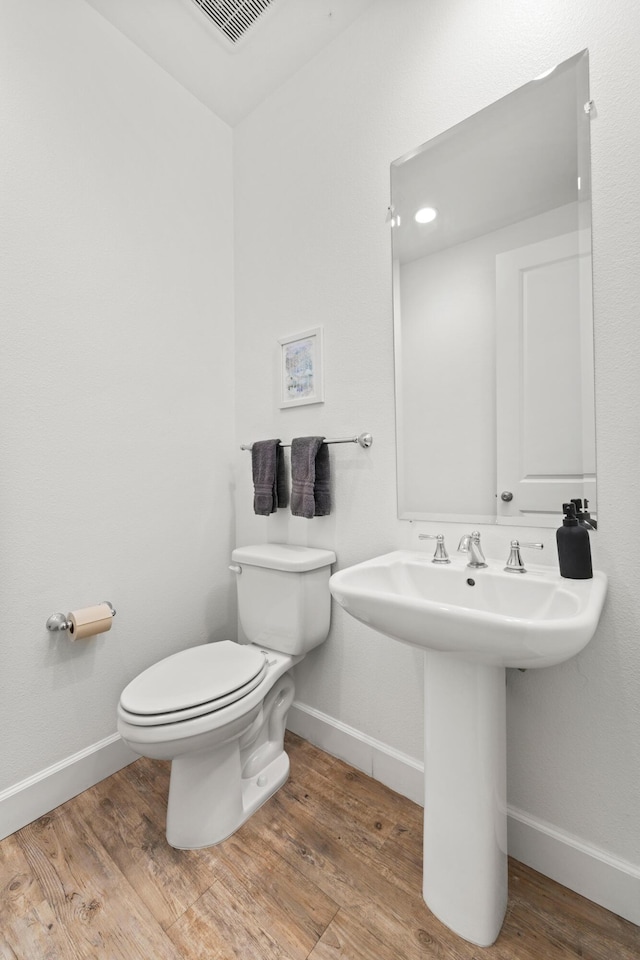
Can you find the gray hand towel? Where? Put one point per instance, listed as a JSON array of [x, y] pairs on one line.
[[269, 483], [322, 488], [310, 477]]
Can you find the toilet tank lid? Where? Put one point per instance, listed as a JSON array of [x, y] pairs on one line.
[[284, 556]]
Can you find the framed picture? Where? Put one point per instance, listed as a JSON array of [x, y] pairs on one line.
[[301, 368]]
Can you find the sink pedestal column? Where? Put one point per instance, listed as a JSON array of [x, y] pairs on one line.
[[465, 823]]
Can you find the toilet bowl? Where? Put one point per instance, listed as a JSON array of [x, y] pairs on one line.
[[218, 711]]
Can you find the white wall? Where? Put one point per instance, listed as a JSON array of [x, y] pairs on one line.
[[312, 175], [116, 380]]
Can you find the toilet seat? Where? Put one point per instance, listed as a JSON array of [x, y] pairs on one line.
[[192, 683]]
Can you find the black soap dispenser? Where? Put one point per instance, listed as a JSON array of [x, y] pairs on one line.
[[574, 547]]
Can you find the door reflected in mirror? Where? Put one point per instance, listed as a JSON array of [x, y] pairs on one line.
[[493, 319]]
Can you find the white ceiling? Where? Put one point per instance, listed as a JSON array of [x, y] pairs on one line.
[[230, 81]]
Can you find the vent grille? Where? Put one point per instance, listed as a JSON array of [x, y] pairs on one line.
[[233, 17]]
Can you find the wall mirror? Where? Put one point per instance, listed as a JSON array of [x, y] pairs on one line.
[[493, 320]]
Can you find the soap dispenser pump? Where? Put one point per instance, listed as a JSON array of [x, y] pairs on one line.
[[574, 547]]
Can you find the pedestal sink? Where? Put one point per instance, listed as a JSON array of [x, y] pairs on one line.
[[472, 624]]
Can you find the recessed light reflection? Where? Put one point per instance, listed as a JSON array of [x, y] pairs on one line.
[[425, 215]]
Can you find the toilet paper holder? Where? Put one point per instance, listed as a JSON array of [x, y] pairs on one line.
[[58, 621]]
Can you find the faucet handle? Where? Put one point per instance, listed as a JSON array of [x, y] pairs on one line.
[[514, 563], [441, 555]]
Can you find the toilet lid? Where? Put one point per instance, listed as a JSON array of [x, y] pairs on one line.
[[194, 681]]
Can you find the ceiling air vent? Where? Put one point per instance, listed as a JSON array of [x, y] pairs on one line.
[[233, 17]]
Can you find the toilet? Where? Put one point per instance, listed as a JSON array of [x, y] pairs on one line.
[[218, 710]]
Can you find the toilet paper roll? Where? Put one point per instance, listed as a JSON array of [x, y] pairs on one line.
[[89, 621]]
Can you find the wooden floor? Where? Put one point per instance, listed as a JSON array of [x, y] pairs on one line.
[[329, 868]]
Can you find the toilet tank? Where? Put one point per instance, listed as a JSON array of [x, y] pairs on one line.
[[283, 595]]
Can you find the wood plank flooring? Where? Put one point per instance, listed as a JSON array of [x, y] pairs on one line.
[[329, 868]]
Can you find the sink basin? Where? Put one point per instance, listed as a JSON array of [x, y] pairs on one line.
[[471, 624], [536, 619]]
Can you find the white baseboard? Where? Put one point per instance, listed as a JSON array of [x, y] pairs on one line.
[[590, 871], [395, 769], [46, 790], [611, 882]]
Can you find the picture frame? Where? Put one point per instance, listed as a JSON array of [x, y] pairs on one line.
[[301, 368]]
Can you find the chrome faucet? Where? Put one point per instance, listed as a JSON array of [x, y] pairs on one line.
[[470, 544]]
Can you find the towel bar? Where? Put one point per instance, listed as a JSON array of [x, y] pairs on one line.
[[364, 439]]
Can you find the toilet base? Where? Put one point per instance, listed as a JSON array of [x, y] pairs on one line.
[[228, 766], [198, 817], [213, 791]]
